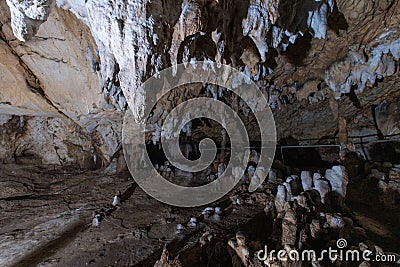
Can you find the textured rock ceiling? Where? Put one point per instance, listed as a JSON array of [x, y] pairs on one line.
[[81, 60]]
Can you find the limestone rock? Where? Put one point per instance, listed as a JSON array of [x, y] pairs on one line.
[[280, 198], [306, 180], [165, 260], [387, 117], [289, 228], [321, 185], [13, 189], [338, 179], [27, 16], [13, 79], [238, 244], [315, 228], [334, 221], [272, 176]]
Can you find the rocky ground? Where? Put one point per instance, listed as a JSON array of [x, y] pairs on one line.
[[48, 218]]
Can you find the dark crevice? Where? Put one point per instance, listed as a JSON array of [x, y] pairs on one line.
[[337, 21], [353, 97], [298, 52]]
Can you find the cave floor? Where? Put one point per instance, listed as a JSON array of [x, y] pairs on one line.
[[47, 220]]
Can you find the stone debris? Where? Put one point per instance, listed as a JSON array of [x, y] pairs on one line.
[[289, 228], [165, 260], [206, 238], [238, 244]]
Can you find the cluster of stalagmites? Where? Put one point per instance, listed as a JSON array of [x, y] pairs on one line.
[[309, 212]]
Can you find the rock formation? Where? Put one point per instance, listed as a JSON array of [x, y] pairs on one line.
[[343, 47]]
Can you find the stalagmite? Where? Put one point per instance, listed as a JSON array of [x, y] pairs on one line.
[[116, 201], [179, 228], [193, 222], [272, 176], [306, 180], [321, 185], [338, 179], [74, 97], [96, 220], [280, 199], [221, 169]]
